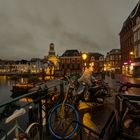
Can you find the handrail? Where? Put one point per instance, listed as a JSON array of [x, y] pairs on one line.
[[77, 122], [42, 91], [27, 95]]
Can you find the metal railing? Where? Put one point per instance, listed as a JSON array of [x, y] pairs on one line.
[[42, 94]]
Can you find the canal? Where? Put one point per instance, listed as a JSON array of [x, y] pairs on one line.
[[5, 96], [6, 86]]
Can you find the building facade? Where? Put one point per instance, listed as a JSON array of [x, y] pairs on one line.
[[113, 61], [130, 43], [96, 60], [70, 62]]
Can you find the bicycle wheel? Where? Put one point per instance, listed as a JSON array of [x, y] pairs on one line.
[[63, 128], [33, 131], [3, 134], [134, 129]]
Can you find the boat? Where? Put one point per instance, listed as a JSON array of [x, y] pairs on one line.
[[22, 88]]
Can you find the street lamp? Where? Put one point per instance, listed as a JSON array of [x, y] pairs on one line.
[[84, 57], [131, 55], [131, 62]]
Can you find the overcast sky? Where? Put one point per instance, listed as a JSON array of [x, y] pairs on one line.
[[27, 27]]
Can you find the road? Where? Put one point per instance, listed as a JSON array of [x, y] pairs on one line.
[[113, 83]]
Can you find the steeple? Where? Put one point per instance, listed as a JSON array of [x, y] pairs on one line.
[[51, 51]]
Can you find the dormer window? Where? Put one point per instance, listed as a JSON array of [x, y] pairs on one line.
[[92, 58]]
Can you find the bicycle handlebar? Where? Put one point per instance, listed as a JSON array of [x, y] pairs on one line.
[[127, 102], [128, 84]]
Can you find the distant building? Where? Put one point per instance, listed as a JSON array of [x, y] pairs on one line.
[[113, 61], [11, 66], [36, 65], [130, 43], [51, 61], [96, 60], [70, 62], [51, 51]]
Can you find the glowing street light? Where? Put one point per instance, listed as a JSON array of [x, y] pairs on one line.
[[84, 57], [131, 53]]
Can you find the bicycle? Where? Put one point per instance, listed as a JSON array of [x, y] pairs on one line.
[[126, 118], [97, 93], [31, 133], [62, 114], [124, 121]]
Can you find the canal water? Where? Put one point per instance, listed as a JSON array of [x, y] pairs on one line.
[[5, 89], [6, 86], [6, 96]]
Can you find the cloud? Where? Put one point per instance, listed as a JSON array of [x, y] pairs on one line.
[[28, 27]]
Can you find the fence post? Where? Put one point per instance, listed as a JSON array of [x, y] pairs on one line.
[[40, 112]]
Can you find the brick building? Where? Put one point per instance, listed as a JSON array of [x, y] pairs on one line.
[[113, 61], [130, 43], [70, 62]]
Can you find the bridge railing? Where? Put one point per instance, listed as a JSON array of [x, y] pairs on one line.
[[37, 103]]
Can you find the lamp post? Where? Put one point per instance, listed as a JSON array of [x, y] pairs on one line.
[[131, 62], [131, 55], [84, 57]]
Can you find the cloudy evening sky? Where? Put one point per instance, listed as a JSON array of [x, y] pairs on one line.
[[27, 27]]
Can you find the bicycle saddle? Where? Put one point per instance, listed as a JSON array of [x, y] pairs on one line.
[[16, 114]]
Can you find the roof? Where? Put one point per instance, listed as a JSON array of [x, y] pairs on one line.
[[96, 55], [114, 51], [132, 15], [71, 53]]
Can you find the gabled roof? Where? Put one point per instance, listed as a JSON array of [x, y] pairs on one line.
[[114, 51], [95, 55], [131, 15], [71, 53]]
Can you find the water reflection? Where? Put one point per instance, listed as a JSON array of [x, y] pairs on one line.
[[5, 87]]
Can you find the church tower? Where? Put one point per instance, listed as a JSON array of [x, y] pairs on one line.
[[51, 51]]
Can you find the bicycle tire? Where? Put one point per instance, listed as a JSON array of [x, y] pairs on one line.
[[134, 129], [60, 133], [3, 134], [33, 131]]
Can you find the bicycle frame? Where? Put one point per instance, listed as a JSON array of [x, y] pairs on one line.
[[15, 128], [114, 118]]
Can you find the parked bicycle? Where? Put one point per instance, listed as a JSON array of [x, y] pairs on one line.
[[97, 93], [125, 124], [125, 87], [62, 114], [122, 124], [31, 133]]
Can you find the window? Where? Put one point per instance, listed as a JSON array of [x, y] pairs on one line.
[[135, 36], [138, 20], [92, 58]]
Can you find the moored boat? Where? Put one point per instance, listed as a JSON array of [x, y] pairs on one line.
[[22, 88]]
